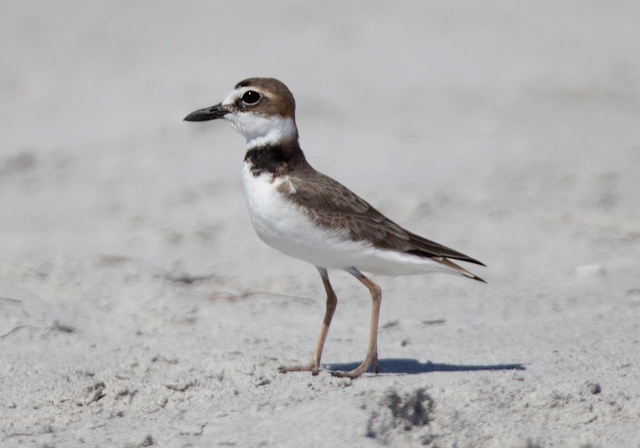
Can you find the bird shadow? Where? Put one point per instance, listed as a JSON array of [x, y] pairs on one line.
[[414, 367]]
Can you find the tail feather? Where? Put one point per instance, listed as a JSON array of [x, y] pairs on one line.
[[460, 269], [425, 247]]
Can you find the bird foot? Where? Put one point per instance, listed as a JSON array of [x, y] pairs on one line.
[[372, 358], [311, 367]]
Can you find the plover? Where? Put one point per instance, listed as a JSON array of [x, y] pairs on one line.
[[307, 215]]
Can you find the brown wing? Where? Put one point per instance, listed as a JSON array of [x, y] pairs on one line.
[[333, 205]]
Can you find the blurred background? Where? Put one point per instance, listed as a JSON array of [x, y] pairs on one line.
[[509, 131], [413, 97]]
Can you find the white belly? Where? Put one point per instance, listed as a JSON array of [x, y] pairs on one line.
[[284, 226]]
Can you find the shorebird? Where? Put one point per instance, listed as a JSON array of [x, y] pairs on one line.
[[307, 215]]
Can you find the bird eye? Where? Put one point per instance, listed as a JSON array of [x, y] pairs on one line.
[[251, 97]]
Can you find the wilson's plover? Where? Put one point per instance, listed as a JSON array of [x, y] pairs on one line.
[[307, 215]]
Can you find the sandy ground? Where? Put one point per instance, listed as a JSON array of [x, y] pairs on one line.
[[138, 308]]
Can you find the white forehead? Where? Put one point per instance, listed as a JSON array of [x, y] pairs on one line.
[[237, 93]]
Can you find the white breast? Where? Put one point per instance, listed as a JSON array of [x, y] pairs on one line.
[[284, 226]]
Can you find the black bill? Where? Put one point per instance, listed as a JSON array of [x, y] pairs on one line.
[[208, 113]]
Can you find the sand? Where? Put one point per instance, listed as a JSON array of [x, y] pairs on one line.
[[138, 308]]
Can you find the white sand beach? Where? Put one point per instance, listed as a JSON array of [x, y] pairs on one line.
[[138, 307]]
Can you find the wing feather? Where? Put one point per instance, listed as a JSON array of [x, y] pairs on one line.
[[333, 205]]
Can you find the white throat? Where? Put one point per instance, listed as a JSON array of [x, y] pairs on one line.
[[262, 131]]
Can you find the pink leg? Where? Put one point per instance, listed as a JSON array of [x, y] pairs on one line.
[[372, 352], [332, 302]]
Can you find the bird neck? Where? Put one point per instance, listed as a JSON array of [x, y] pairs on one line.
[[277, 158], [261, 131]]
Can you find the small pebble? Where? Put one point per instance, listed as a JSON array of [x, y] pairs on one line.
[[589, 270]]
